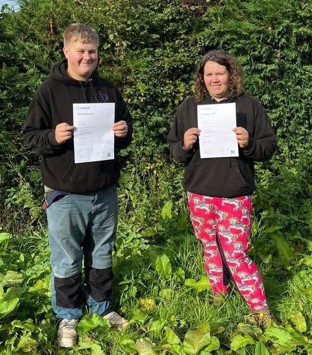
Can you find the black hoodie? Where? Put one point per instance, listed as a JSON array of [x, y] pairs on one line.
[[223, 177], [52, 105]]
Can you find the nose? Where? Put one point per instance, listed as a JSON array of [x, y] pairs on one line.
[[87, 56]]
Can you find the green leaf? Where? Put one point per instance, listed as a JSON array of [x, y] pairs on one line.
[[7, 306], [163, 267], [157, 326], [284, 251], [179, 274], [171, 337], [139, 316], [88, 323], [278, 336], [261, 349], [12, 278], [241, 341], [199, 286], [196, 340], [214, 345], [27, 344], [144, 347], [4, 237], [298, 321], [166, 212], [306, 260], [95, 348]]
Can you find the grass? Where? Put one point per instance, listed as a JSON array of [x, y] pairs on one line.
[[161, 289]]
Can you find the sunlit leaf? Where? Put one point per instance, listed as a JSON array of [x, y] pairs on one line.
[[4, 237], [278, 336], [195, 340], [214, 345], [12, 278], [27, 344], [145, 347], [307, 260], [139, 316], [88, 323], [261, 349], [166, 211], [299, 321], [199, 286], [95, 348], [241, 341], [157, 326], [171, 337], [163, 267], [6, 307]]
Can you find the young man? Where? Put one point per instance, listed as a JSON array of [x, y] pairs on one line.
[[80, 198]]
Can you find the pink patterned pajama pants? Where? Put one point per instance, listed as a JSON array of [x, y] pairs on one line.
[[223, 226]]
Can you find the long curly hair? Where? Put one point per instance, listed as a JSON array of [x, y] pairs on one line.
[[225, 59]]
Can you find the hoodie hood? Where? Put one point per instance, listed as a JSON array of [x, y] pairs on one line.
[[59, 73]]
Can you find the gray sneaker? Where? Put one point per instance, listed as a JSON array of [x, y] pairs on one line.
[[116, 321], [67, 334]]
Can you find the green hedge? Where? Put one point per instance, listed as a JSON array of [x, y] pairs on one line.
[[150, 49]]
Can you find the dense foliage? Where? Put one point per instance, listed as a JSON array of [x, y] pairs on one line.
[[150, 49]]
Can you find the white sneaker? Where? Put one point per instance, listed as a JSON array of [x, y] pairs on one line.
[[67, 334], [116, 321]]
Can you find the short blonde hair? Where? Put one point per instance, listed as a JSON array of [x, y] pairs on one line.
[[79, 32]]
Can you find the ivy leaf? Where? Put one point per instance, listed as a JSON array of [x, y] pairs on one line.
[[241, 341], [163, 267]]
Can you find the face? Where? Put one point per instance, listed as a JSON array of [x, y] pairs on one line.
[[217, 80], [82, 59]]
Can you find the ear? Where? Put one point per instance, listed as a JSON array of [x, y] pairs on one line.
[[65, 51]]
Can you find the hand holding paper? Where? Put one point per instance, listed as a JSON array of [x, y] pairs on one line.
[[242, 136], [216, 123], [94, 136]]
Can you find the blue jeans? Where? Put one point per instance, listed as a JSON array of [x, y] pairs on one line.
[[81, 227]]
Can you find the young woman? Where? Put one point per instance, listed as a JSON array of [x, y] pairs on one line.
[[219, 189]]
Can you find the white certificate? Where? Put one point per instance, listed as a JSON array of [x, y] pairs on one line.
[[216, 122], [93, 135]]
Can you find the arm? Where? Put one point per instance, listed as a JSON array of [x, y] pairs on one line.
[[260, 144], [38, 131], [183, 139], [123, 127]]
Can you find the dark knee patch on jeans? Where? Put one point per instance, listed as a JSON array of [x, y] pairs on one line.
[[68, 291], [99, 283]]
